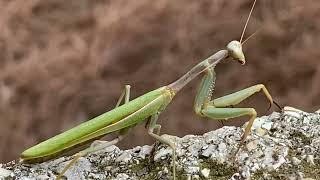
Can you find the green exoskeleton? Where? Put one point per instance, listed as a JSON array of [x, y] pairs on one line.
[[148, 107]]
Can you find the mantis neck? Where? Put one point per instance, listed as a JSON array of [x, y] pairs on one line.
[[198, 69]]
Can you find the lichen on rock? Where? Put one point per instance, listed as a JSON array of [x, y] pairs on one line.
[[282, 145]]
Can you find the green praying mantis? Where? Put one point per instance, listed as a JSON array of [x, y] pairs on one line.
[[148, 107]]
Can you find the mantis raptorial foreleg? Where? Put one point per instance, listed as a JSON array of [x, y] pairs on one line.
[[216, 109]]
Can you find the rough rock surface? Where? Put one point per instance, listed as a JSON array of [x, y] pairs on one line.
[[282, 145]]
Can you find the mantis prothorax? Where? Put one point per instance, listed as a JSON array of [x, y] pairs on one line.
[[150, 105]]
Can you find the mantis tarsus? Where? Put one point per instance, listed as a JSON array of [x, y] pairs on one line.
[[150, 105]]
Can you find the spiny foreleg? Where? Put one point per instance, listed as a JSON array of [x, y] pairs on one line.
[[218, 109]]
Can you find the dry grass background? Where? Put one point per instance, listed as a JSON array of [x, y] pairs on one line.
[[62, 62]]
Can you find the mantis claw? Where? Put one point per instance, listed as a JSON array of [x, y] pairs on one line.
[[270, 104], [274, 102]]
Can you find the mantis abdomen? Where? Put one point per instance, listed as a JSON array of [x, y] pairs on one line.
[[107, 122]]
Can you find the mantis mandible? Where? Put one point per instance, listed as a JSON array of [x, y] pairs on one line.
[[150, 105]]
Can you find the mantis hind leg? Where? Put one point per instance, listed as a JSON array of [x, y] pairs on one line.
[[99, 145], [125, 94], [154, 126]]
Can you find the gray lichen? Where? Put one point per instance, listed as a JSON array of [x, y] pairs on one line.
[[282, 145]]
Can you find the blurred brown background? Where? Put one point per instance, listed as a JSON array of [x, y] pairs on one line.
[[62, 62]]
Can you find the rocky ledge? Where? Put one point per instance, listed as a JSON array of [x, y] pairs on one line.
[[282, 145]]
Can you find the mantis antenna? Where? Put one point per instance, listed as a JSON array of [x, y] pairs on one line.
[[251, 35], [245, 26]]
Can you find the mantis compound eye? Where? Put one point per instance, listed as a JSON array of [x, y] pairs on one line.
[[235, 51]]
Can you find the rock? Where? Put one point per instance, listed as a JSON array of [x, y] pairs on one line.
[[252, 145], [285, 145], [124, 157], [122, 176], [296, 161], [208, 151], [205, 172], [144, 151], [4, 173], [77, 170], [162, 154], [310, 159]]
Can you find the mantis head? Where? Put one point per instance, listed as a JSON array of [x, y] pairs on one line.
[[235, 51], [235, 47]]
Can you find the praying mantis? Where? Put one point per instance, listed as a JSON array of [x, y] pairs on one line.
[[148, 107]]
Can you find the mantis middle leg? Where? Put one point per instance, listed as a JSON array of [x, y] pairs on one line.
[[217, 108], [154, 126]]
